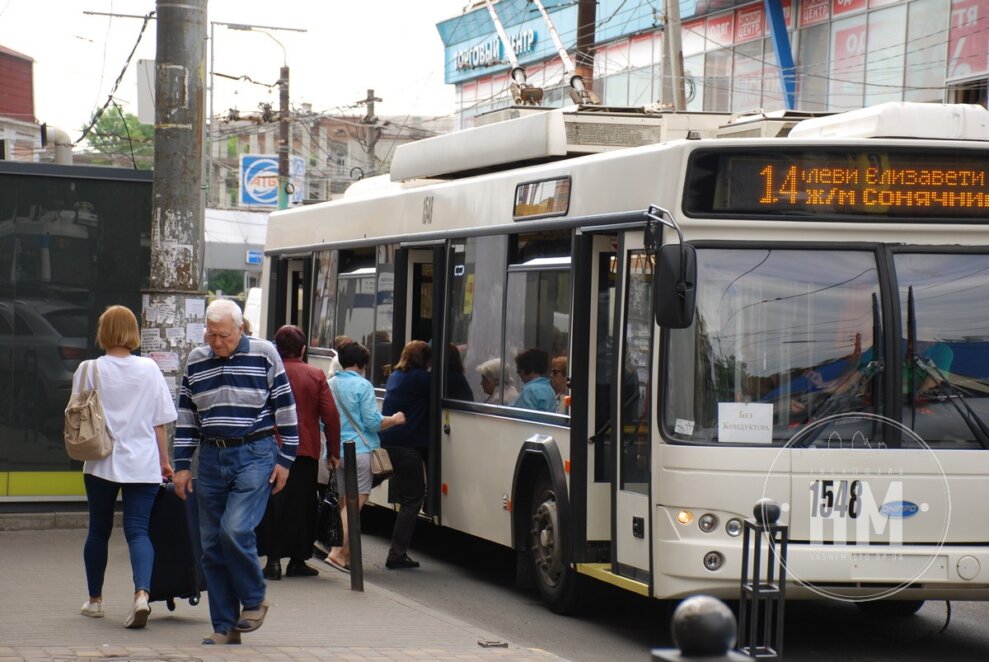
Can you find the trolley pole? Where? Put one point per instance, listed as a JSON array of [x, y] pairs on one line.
[[173, 305]]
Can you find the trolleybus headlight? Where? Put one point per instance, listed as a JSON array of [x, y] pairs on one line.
[[713, 561], [707, 522], [733, 527], [685, 517]]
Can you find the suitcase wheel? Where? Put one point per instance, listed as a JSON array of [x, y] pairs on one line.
[[194, 600], [170, 603]]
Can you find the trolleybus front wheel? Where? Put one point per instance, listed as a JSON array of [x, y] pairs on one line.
[[556, 579]]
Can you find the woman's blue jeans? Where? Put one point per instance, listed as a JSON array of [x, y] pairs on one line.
[[233, 489], [138, 501]]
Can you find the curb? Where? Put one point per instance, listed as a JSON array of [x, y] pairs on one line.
[[42, 521]]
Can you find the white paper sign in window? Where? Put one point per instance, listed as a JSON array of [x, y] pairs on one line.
[[745, 422]]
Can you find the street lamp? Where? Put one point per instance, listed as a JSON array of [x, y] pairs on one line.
[[283, 111]]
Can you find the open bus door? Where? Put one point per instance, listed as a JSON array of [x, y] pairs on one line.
[[614, 515], [291, 280], [632, 398], [419, 284]]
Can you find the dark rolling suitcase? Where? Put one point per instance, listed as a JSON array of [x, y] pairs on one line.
[[174, 531]]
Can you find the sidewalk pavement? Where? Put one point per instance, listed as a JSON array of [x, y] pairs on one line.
[[43, 585]]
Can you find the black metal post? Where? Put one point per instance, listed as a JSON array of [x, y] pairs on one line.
[[760, 611], [353, 516]]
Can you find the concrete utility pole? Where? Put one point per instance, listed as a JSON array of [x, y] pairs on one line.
[[586, 21], [673, 78], [173, 306], [284, 122], [373, 132]]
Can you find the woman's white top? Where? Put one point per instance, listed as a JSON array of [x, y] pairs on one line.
[[135, 399]]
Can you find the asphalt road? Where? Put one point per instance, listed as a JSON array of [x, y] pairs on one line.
[[474, 581]]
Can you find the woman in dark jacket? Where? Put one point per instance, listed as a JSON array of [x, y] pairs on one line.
[[407, 391]]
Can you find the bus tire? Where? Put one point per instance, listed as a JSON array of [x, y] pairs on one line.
[[556, 580], [890, 608]]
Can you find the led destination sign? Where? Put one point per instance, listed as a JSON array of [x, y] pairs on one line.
[[900, 184]]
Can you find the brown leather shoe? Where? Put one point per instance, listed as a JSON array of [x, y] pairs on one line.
[[232, 637]]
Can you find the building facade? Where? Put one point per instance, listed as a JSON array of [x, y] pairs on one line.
[[846, 53], [335, 150]]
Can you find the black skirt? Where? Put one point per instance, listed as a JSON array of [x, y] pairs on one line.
[[288, 529]]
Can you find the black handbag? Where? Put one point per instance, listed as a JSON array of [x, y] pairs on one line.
[[329, 526]]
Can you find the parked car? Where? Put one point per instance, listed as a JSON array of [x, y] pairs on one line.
[[42, 342]]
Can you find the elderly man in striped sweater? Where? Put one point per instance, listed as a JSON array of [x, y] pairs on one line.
[[234, 394]]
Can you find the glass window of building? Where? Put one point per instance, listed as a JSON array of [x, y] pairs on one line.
[[717, 80], [747, 82], [885, 55], [812, 93], [927, 51], [848, 44], [693, 79]]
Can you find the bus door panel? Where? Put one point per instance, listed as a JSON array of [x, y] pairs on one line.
[[419, 291], [293, 280], [598, 410], [632, 377]]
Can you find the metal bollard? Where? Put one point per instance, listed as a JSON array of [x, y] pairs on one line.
[[760, 611], [353, 516], [703, 628]]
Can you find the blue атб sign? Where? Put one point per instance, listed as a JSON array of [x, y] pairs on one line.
[[259, 180]]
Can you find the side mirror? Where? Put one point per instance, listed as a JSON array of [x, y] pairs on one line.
[[674, 291]]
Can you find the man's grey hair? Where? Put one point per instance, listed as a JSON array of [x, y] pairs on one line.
[[223, 309]]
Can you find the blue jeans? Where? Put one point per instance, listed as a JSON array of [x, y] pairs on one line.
[[138, 500], [233, 492]]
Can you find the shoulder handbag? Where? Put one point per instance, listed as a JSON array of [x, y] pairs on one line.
[[380, 460], [86, 434]]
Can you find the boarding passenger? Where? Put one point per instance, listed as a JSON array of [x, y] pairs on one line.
[[289, 525], [408, 391], [360, 422]]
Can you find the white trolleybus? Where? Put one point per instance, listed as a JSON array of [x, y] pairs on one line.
[[705, 313]]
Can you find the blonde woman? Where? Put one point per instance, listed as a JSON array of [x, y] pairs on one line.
[[137, 404]]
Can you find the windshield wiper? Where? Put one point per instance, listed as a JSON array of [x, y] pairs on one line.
[[928, 367], [956, 398]]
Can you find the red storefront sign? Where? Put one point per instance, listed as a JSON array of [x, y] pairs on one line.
[[841, 7], [720, 30], [968, 41], [813, 12], [748, 23]]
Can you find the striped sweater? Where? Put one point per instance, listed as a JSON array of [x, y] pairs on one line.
[[233, 397]]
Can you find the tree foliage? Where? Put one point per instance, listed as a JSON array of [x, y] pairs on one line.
[[123, 140]]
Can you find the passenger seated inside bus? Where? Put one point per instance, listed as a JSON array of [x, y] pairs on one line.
[[537, 392], [560, 381], [494, 378], [456, 383]]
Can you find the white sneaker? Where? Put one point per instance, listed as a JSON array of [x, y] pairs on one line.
[[92, 609], [138, 616]]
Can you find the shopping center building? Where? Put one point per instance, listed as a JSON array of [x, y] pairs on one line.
[[845, 53]]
